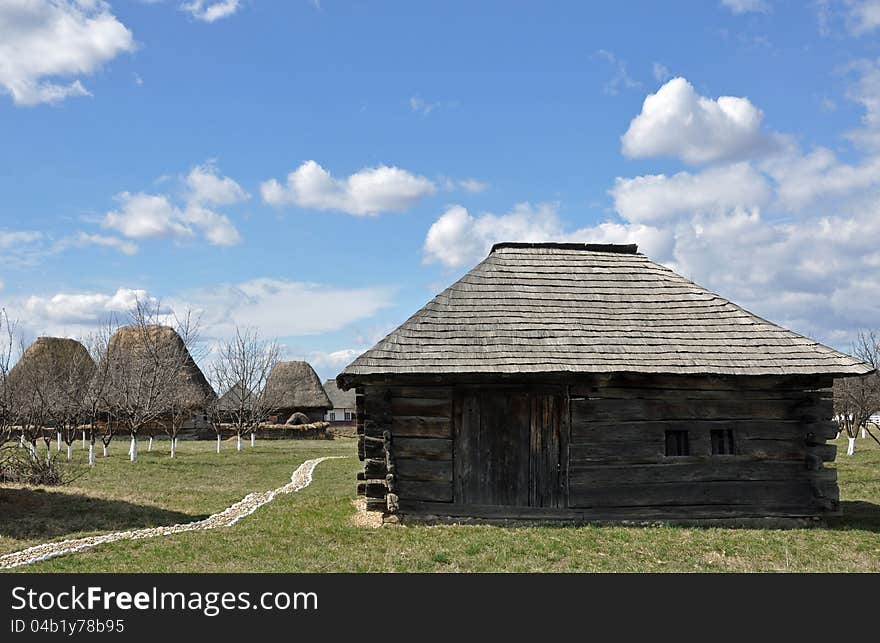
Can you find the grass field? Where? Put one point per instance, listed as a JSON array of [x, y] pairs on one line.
[[312, 531]]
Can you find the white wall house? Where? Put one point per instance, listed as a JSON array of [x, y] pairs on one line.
[[343, 403]]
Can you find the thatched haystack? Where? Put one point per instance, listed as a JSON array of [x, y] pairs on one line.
[[56, 369], [297, 419], [294, 386], [154, 352]]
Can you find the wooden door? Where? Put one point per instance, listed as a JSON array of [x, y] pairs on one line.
[[508, 448]]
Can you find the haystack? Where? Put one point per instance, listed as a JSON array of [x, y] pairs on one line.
[[56, 369], [144, 352], [294, 386]]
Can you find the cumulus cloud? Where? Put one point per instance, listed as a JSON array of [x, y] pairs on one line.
[[656, 197], [205, 185], [738, 7], [208, 11], [365, 193], [154, 216], [457, 238], [45, 41], [677, 122]]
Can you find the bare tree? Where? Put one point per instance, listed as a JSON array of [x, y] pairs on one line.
[[241, 369], [190, 393], [7, 408], [148, 363], [856, 399]]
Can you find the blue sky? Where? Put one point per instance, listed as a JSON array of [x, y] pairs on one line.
[[321, 169]]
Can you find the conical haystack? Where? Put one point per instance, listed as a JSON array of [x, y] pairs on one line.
[[294, 386], [56, 370], [154, 353]]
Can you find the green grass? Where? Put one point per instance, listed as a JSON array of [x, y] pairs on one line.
[[312, 531]]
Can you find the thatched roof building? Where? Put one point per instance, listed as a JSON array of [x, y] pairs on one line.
[[294, 386], [587, 381], [237, 397], [56, 369], [135, 353]]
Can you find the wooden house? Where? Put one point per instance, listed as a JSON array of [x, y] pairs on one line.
[[293, 389], [585, 382]]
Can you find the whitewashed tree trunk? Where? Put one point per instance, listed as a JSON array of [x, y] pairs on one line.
[[106, 450], [150, 444], [92, 454], [218, 443], [58, 435], [33, 449], [253, 437], [173, 446], [851, 446], [238, 442], [836, 437], [84, 439], [21, 441], [864, 433], [69, 451], [133, 451]]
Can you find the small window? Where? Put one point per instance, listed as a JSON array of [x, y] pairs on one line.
[[331, 416], [677, 443], [348, 416], [722, 441]]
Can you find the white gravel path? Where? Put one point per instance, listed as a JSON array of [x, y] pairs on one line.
[[300, 479]]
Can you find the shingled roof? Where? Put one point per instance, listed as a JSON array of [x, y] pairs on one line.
[[587, 308]]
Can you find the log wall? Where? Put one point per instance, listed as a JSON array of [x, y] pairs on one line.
[[617, 467]]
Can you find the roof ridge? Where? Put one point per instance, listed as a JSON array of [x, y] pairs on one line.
[[618, 248]]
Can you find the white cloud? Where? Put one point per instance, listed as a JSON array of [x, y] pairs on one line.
[[154, 216], [473, 186], [738, 7], [264, 304], [364, 193], [83, 239], [17, 238], [282, 308], [677, 122], [802, 180], [656, 197], [206, 186], [621, 79], [208, 11], [46, 40], [458, 239], [866, 92], [862, 16], [80, 308], [333, 360], [146, 216]]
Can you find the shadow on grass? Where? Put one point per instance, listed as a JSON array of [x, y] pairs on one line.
[[857, 514], [35, 514]]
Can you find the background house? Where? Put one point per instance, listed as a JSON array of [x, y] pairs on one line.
[[342, 409]]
